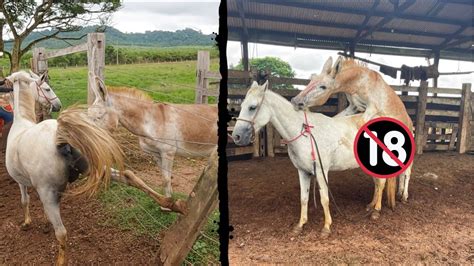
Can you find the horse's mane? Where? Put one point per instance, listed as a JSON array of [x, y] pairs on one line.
[[131, 92], [27, 101], [350, 62]]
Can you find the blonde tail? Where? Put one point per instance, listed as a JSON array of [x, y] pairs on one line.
[[99, 149]]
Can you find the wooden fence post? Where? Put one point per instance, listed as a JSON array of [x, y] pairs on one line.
[[180, 237], [202, 82], [39, 64], [420, 117], [464, 132], [95, 60]]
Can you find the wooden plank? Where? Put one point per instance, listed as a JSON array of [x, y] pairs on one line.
[[180, 237], [442, 113], [438, 136], [445, 100], [239, 150], [441, 124], [436, 147], [212, 75], [65, 51], [202, 84], [95, 61], [239, 74], [407, 98], [454, 91], [464, 118], [290, 81], [420, 117], [452, 141]]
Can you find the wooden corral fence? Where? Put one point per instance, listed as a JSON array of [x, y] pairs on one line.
[[207, 82], [95, 47], [445, 121]]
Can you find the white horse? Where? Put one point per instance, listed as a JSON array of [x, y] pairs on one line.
[[49, 154], [334, 136], [163, 129]]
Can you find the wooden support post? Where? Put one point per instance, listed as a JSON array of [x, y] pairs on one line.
[[436, 64], [464, 133], [202, 83], [39, 63], [420, 117], [245, 54], [95, 60], [270, 140], [180, 237], [341, 102]]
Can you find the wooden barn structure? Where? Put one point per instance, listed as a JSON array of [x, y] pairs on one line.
[[438, 29]]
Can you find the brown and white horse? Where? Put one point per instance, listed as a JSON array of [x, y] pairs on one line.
[[366, 92], [163, 129]]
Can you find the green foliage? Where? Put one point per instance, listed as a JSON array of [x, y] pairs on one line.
[[185, 37], [276, 66]]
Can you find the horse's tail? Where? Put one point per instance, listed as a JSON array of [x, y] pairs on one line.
[[99, 149], [391, 192]]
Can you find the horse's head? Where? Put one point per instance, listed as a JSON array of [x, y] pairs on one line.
[[320, 88], [101, 111], [253, 115], [43, 92]]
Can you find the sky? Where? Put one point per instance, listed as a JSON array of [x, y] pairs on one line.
[[141, 16]]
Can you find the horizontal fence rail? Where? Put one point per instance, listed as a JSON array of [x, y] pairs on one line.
[[443, 122]]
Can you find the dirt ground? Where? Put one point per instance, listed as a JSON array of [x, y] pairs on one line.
[[435, 226], [90, 238]]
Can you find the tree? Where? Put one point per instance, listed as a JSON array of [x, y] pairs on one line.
[[276, 66], [23, 17]]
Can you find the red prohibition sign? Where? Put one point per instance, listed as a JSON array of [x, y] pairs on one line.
[[396, 125]]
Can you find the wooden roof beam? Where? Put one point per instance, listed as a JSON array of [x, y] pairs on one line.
[[397, 10], [367, 18], [345, 10], [255, 16]]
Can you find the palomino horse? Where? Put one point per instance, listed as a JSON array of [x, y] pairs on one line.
[[261, 106], [46, 155], [163, 129], [367, 92]]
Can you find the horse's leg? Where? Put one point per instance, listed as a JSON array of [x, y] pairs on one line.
[[371, 205], [50, 200], [323, 193], [25, 202], [379, 186], [406, 179], [167, 169], [305, 182]]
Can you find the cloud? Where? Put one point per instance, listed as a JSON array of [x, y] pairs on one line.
[[140, 16]]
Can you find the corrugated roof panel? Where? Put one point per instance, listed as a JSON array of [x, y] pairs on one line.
[[395, 37], [406, 24], [421, 7], [456, 11], [468, 32]]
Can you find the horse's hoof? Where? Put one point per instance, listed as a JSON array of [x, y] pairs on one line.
[[325, 233], [25, 226], [61, 260], [404, 200], [375, 215], [296, 231], [369, 207], [163, 209]]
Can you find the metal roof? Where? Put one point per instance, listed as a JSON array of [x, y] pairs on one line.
[[396, 27]]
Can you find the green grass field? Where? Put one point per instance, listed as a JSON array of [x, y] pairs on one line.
[[130, 208]]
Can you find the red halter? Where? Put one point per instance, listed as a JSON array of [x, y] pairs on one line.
[[41, 93], [304, 131]]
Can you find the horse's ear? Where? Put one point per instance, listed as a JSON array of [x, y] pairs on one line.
[[33, 74], [254, 84], [337, 66], [94, 85], [44, 76], [327, 66]]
